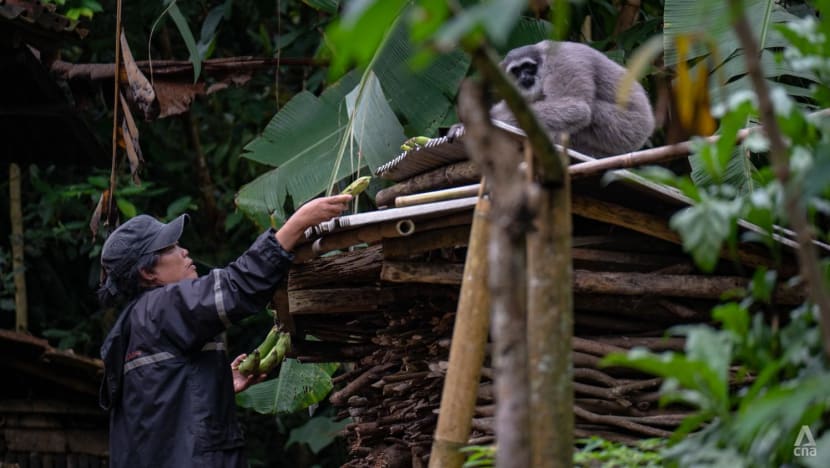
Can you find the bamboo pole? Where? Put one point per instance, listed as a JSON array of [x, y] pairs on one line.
[[550, 328], [18, 267], [467, 351], [438, 195]]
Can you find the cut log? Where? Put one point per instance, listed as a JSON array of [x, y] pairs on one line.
[[451, 175], [357, 266]]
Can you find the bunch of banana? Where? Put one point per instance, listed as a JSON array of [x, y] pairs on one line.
[[414, 142], [359, 185], [270, 353]]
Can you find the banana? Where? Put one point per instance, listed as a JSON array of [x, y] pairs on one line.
[[277, 353], [414, 142], [269, 342], [420, 140], [359, 185], [251, 364]]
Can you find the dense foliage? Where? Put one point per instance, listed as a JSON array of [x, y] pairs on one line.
[[258, 145]]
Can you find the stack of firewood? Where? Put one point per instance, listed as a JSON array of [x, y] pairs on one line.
[[392, 393]]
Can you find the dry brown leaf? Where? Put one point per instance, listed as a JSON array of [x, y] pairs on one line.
[[101, 211], [133, 156], [175, 97], [139, 90]]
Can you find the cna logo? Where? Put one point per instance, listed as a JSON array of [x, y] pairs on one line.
[[805, 444]]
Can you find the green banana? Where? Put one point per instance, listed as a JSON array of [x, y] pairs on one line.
[[251, 364], [269, 342], [359, 185], [277, 353]]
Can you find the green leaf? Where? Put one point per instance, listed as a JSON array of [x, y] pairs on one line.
[[355, 39], [328, 6], [377, 133], [181, 23], [704, 228], [297, 387], [126, 208], [318, 433], [178, 206], [734, 317], [496, 17]]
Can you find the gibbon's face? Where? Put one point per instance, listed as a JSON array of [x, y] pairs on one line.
[[524, 73], [523, 65]]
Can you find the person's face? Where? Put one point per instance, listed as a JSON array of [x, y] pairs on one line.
[[173, 265]]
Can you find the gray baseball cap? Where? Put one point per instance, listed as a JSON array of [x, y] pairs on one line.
[[138, 236]]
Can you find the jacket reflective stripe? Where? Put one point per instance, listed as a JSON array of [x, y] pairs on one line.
[[219, 299], [143, 361], [214, 346]]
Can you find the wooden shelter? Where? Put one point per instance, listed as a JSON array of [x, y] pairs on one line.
[[49, 414], [384, 298]]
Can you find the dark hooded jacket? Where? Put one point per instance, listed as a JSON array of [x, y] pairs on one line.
[[167, 380]]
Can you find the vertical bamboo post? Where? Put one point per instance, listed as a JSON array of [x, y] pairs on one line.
[[469, 340], [550, 329], [20, 304]]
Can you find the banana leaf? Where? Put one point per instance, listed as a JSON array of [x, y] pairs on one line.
[[358, 122], [297, 387]]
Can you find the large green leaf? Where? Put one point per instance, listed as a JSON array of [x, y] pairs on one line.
[[376, 130], [298, 386], [301, 140], [315, 142], [424, 97]]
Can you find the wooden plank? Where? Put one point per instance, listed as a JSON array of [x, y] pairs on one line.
[[649, 224], [612, 283], [338, 300], [418, 272], [420, 242], [695, 286], [281, 305]]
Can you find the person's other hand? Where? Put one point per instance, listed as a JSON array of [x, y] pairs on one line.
[[240, 380], [312, 213]]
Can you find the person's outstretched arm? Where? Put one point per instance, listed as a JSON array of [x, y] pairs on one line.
[[312, 213]]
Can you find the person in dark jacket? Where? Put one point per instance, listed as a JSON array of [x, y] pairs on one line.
[[168, 383]]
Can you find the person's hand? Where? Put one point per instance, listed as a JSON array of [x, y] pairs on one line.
[[240, 380], [312, 213]]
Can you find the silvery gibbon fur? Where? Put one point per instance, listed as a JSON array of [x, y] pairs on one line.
[[572, 88]]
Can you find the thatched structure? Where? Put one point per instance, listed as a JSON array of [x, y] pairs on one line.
[[384, 298]]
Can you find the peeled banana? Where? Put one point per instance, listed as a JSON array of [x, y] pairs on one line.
[[414, 142], [359, 185]]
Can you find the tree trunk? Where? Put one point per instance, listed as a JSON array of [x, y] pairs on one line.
[[550, 329]]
